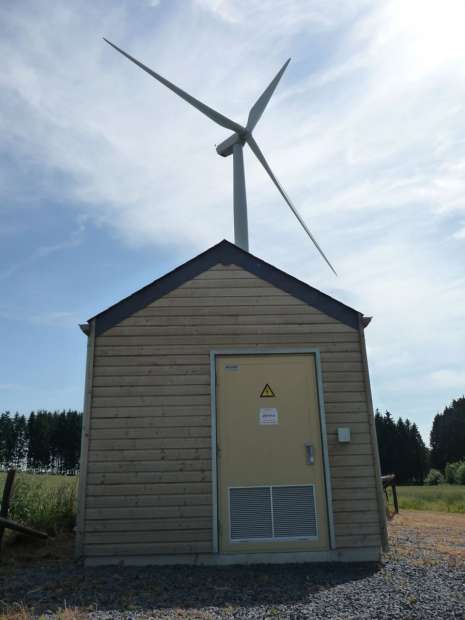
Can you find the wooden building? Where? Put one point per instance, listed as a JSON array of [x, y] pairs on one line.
[[228, 418]]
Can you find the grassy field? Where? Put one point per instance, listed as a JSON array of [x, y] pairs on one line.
[[440, 498], [43, 501]]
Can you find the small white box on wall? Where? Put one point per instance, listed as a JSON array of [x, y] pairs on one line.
[[343, 435]]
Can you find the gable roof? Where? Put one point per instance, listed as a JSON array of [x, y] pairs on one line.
[[225, 253]]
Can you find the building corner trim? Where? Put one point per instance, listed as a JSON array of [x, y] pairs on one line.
[[374, 440], [85, 434]]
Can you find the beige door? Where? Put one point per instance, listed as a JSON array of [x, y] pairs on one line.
[[271, 491]]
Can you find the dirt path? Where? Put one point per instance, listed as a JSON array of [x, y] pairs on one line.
[[429, 536]]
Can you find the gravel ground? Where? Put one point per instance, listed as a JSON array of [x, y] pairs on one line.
[[422, 576]]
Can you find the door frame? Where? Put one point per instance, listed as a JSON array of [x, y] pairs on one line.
[[324, 438]]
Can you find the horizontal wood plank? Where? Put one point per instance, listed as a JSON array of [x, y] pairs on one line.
[[356, 518], [139, 549], [355, 494], [147, 332], [171, 488], [115, 515], [223, 318], [150, 401], [169, 454], [149, 444], [346, 471], [151, 390], [153, 421], [358, 540], [350, 460], [347, 529], [149, 536], [168, 411], [164, 360], [232, 301], [246, 309], [353, 483], [200, 504], [181, 381], [153, 432], [348, 505], [152, 477], [158, 371], [147, 525], [148, 466]]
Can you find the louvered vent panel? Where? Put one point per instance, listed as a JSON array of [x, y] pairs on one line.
[[294, 514], [250, 513], [276, 512]]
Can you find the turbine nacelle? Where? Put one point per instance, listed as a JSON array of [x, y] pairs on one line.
[[234, 146], [227, 146]]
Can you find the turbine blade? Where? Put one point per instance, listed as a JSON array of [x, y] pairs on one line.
[[259, 106], [222, 120], [257, 152]]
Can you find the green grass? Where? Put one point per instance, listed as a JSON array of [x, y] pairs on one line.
[[440, 498], [43, 501]]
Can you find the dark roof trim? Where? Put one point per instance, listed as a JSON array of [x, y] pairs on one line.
[[225, 253], [85, 328]]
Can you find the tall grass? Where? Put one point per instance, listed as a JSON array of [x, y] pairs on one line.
[[45, 502], [440, 498]]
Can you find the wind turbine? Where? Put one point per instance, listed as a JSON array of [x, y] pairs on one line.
[[234, 145]]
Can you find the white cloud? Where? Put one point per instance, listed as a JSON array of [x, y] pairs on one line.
[[450, 378]]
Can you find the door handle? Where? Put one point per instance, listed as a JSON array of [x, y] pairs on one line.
[[309, 454]]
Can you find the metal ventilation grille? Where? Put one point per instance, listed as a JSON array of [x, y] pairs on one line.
[[250, 510], [273, 513], [294, 514]]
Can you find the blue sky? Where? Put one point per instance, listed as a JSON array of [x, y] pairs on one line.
[[107, 180]]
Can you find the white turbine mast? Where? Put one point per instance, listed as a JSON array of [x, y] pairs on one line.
[[234, 145]]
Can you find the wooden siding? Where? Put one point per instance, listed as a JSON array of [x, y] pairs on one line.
[[148, 485]]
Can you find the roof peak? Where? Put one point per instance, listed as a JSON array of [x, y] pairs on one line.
[[226, 253]]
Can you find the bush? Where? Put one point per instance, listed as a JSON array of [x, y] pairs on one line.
[[460, 473], [450, 473], [434, 477]]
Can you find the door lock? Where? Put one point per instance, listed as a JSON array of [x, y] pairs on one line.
[[309, 453]]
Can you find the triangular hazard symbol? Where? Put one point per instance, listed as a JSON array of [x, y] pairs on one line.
[[267, 392]]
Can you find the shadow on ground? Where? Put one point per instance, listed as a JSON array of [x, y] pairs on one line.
[[54, 582]]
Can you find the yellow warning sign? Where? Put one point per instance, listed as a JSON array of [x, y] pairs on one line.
[[267, 392]]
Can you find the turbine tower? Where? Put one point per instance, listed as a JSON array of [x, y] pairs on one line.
[[233, 146]]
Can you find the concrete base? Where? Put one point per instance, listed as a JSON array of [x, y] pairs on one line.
[[362, 554]]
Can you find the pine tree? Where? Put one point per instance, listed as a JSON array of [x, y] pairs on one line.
[[38, 431], [447, 437], [20, 433]]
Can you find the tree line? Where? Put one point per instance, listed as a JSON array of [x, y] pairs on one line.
[[42, 441], [403, 452]]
